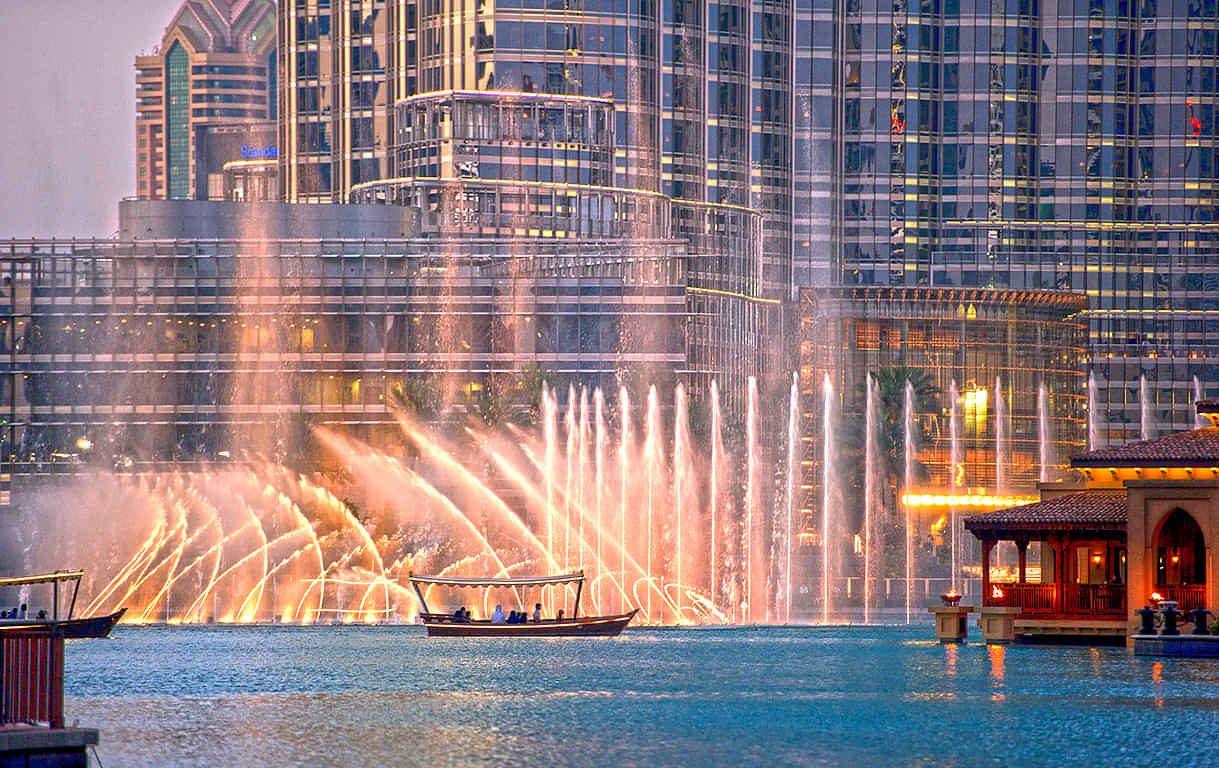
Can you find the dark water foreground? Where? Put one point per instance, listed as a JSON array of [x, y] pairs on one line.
[[360, 696]]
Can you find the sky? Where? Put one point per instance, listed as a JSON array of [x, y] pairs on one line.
[[67, 141]]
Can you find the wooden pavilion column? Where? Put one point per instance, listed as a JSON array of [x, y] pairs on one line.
[[1060, 572], [987, 545], [1022, 549]]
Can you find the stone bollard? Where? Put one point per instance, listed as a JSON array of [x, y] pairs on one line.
[[951, 625], [998, 624]]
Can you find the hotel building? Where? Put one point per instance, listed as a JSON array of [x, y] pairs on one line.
[[215, 66]]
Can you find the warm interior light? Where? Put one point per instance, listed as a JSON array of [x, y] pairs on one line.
[[996, 593], [1097, 558], [1156, 597]]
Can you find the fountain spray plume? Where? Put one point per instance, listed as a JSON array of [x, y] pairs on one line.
[[1093, 414], [908, 484], [713, 492], [1147, 427], [600, 438], [652, 459], [793, 485], [831, 498], [1003, 428], [752, 555], [956, 461], [624, 455], [1200, 421], [1045, 439], [871, 493]]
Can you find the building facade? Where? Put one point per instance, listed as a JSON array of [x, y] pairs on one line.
[[215, 65], [1033, 145], [701, 94], [996, 406]]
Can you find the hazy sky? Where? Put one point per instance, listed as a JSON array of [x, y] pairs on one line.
[[67, 140]]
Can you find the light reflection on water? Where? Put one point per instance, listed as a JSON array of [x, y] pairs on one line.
[[390, 696]]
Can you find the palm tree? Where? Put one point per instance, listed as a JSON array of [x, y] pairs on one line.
[[890, 436]]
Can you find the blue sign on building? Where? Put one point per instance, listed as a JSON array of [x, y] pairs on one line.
[[259, 153]]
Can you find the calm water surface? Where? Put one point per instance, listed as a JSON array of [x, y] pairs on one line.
[[361, 696]]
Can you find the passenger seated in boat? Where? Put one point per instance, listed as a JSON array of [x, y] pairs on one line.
[[23, 610], [457, 614], [537, 612], [559, 615], [42, 615], [498, 616]]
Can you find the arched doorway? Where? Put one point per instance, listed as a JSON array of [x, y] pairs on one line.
[[1180, 552]]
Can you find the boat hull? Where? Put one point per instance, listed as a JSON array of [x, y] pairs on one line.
[[73, 629], [586, 626]]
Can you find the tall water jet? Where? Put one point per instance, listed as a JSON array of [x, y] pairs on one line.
[[624, 463], [871, 491], [1147, 427], [1200, 421], [599, 438], [793, 468], [582, 472], [652, 438], [956, 461], [1093, 414], [550, 436], [1003, 424], [1045, 440], [908, 456], [569, 420], [829, 497], [681, 442], [717, 459], [752, 460]]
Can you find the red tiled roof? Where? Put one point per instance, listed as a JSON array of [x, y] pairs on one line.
[[1198, 447], [1087, 510]]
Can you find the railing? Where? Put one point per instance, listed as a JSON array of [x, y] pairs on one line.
[[1187, 597], [1030, 598], [1096, 599], [1080, 599], [31, 677]]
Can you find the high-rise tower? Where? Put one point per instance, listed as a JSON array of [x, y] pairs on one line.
[[701, 92], [1034, 144], [215, 66]]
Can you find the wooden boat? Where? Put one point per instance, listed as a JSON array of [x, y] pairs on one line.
[[448, 625], [72, 628]]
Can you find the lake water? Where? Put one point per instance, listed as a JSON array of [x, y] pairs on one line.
[[372, 696]]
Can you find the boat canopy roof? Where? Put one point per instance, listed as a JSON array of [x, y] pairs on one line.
[[45, 578], [524, 581]]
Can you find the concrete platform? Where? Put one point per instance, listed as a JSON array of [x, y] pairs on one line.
[[1070, 631], [25, 747], [1183, 646]]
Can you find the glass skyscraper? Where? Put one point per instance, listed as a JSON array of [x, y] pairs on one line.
[[701, 92], [1032, 145]]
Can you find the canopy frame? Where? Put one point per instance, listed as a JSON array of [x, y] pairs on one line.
[[576, 577], [53, 579]]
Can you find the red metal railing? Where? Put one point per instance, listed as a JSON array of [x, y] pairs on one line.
[[1029, 598], [1079, 599], [1096, 599], [31, 677], [1187, 597]]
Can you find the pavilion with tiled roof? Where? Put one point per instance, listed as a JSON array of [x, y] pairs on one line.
[[1142, 522]]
